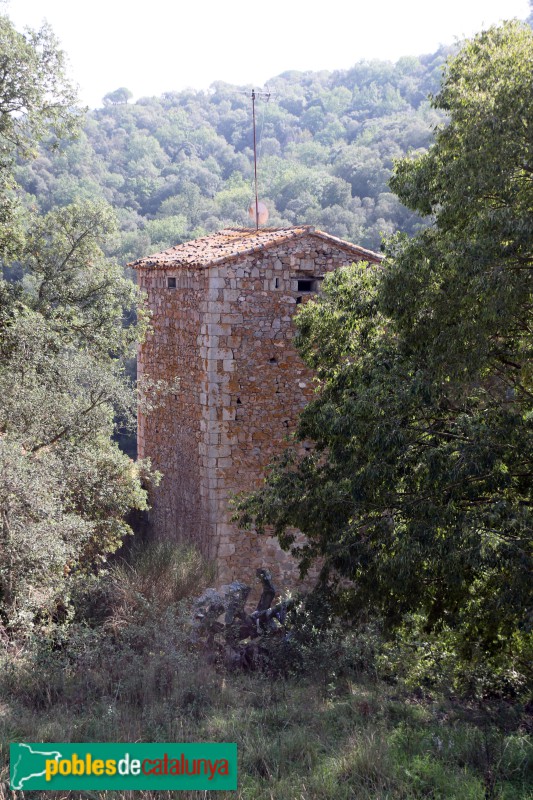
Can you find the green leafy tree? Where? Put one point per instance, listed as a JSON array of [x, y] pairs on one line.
[[419, 489], [65, 487], [118, 97], [36, 100], [141, 156]]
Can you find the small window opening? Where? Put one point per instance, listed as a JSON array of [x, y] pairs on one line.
[[239, 401], [273, 360], [306, 286], [298, 300], [276, 284], [171, 283]]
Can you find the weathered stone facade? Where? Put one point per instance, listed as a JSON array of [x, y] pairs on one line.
[[222, 312]]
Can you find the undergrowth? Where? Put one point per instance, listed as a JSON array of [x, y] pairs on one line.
[[319, 724]]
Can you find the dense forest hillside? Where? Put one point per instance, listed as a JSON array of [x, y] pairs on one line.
[[181, 165]]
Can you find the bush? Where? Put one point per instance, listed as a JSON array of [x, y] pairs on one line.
[[126, 636], [435, 660], [319, 643]]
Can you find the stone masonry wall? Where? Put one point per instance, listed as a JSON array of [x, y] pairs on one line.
[[227, 332], [171, 435], [263, 387]]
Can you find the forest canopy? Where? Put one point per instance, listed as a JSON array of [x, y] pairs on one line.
[[181, 165]]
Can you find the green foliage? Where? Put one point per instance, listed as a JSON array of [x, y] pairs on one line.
[[36, 101], [38, 537], [121, 95], [419, 487], [434, 662], [124, 633], [317, 644], [36, 98], [65, 487], [82, 294], [66, 318], [181, 165]]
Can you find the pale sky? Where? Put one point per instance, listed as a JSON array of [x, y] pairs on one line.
[[158, 46]]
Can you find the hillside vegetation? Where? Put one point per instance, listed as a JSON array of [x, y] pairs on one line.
[[181, 165]]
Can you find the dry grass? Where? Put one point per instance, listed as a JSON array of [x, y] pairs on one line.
[[137, 679], [157, 576], [294, 741]]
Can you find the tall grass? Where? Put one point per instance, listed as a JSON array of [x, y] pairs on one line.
[[129, 673], [156, 577], [296, 742]]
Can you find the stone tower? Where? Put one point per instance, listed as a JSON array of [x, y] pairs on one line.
[[222, 310]]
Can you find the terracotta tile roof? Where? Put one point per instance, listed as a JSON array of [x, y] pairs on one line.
[[231, 243]]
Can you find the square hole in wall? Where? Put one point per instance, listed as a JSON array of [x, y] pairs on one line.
[[171, 283]]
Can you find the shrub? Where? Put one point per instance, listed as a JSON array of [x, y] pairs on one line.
[[126, 636]]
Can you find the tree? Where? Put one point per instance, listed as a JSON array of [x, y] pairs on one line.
[[419, 489], [118, 97], [36, 100], [139, 155], [65, 487]]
